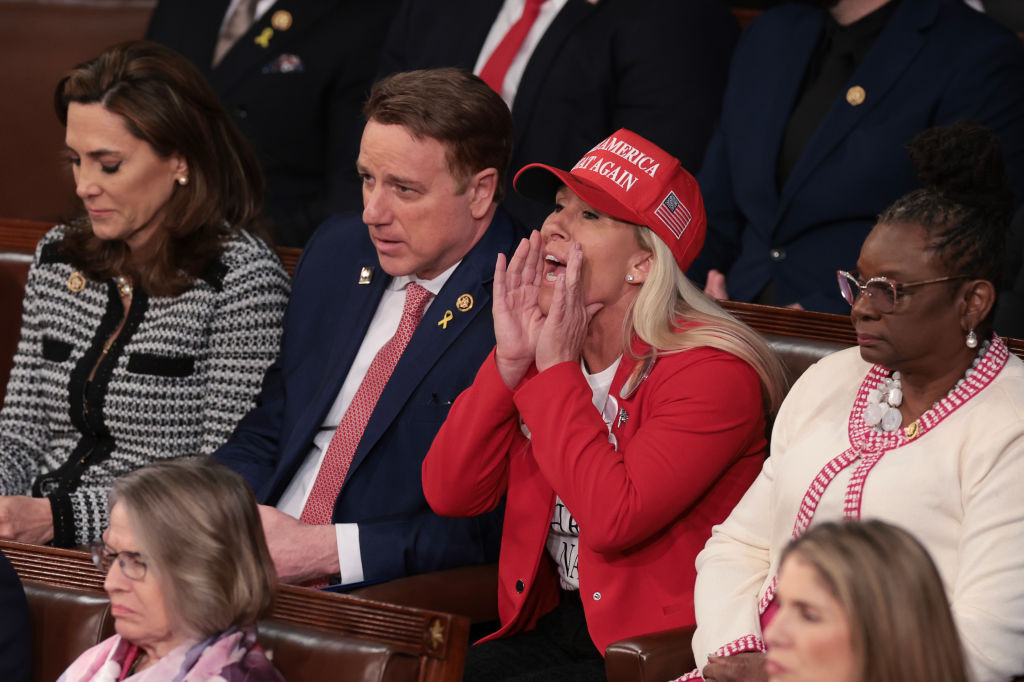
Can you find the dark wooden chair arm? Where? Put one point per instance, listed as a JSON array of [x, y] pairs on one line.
[[654, 657], [470, 591]]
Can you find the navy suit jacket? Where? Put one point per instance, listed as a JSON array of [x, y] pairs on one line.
[[299, 99], [935, 62], [657, 67], [15, 629], [327, 317]]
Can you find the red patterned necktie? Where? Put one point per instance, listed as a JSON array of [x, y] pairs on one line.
[[319, 507], [497, 65]]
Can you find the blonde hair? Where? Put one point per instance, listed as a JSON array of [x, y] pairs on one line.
[[900, 623], [197, 524], [668, 301]]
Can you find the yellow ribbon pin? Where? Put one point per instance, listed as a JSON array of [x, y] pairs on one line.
[[443, 322], [263, 39]]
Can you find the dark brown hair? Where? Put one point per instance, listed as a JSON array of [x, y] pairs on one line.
[[900, 623], [198, 526], [455, 108], [166, 102]]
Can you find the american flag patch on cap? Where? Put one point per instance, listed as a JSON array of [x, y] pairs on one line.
[[673, 214]]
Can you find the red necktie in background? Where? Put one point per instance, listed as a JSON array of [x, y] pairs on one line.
[[496, 67]]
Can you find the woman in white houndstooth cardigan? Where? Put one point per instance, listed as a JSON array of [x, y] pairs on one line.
[[148, 322]]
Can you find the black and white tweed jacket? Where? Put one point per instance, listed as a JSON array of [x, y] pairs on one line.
[[177, 379]]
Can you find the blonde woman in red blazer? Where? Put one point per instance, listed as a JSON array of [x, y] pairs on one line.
[[621, 415]]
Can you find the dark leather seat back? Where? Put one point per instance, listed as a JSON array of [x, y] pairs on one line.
[[65, 622], [337, 658]]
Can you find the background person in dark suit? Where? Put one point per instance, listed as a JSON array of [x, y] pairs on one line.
[[657, 67], [431, 222], [294, 82], [810, 145], [15, 629]]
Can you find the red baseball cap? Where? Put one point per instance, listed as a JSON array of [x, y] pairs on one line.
[[631, 179]]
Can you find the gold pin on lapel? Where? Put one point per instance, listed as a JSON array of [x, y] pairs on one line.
[[856, 96], [281, 20], [263, 39], [443, 322], [76, 282], [914, 430], [464, 303], [365, 274]]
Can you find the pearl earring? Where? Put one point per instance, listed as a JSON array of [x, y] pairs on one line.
[[183, 180], [630, 278], [972, 339]]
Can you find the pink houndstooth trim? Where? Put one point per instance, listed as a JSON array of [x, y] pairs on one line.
[[769, 595], [743, 645]]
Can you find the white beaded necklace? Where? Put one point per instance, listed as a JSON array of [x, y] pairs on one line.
[[882, 411]]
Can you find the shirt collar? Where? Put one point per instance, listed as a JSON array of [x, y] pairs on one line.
[[434, 285]]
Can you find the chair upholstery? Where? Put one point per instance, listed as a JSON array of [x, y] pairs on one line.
[[310, 635], [65, 622]]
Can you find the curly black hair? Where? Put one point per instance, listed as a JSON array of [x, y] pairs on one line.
[[966, 200]]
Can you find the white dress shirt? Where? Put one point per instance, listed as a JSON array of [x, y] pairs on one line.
[[382, 328]]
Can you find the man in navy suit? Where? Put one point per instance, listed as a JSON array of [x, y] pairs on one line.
[[810, 145], [433, 160], [586, 69], [294, 82]]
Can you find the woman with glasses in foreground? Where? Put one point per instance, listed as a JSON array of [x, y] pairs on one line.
[[922, 425], [188, 574]]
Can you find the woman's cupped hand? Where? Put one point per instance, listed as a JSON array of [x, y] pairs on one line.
[[524, 334]]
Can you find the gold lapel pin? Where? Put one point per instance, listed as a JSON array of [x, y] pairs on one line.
[[263, 39], [443, 322], [464, 303], [365, 274], [281, 20], [856, 96], [76, 282]]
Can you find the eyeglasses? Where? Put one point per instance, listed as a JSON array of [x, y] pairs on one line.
[[131, 563], [883, 293]]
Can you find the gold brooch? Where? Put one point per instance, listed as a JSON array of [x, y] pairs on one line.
[[914, 430], [464, 303], [76, 282]]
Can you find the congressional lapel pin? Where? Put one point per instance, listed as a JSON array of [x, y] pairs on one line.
[[443, 322], [464, 303], [263, 39], [365, 274], [281, 20], [76, 282], [856, 96]]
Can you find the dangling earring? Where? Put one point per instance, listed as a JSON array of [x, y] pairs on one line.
[[630, 278], [183, 180], [972, 339]]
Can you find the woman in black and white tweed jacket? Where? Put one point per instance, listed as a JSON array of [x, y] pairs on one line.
[[148, 322]]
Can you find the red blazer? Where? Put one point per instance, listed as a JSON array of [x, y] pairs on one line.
[[690, 441]]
